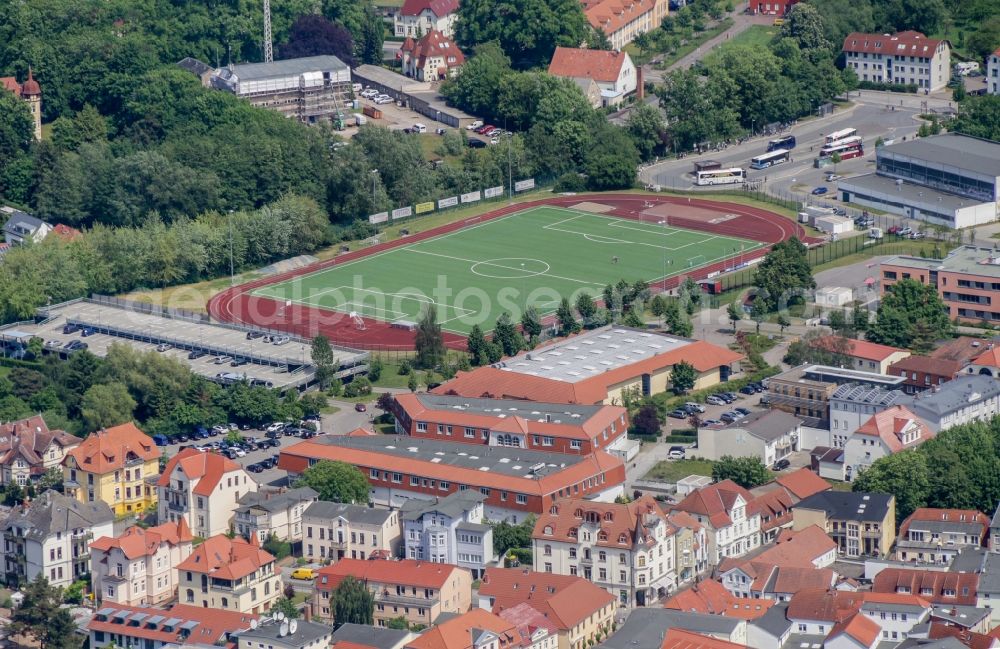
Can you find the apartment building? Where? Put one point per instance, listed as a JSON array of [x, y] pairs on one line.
[[419, 17], [112, 466], [730, 516], [627, 549], [28, 449], [623, 20], [931, 535], [119, 625], [769, 436], [903, 58], [433, 57], [935, 586], [335, 531], [805, 391], [418, 591], [51, 537], [138, 567], [476, 629], [230, 575], [449, 530], [967, 279], [690, 546], [890, 431], [993, 73], [797, 560], [711, 598], [862, 524], [273, 512], [550, 427], [972, 398], [204, 489], [613, 72], [863, 355], [578, 611], [853, 404], [283, 634]]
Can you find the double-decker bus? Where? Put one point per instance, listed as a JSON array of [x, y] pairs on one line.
[[721, 176], [837, 136], [848, 148], [787, 142], [769, 159]]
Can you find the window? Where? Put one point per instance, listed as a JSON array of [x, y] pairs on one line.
[[548, 567], [397, 477], [522, 499], [470, 432], [374, 474], [575, 444], [414, 481], [422, 426], [485, 491], [444, 485]]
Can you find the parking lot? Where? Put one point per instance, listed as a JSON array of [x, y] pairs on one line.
[[714, 412]]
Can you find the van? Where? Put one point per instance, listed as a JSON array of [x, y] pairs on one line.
[[965, 68], [419, 128], [303, 573], [160, 440], [356, 87]]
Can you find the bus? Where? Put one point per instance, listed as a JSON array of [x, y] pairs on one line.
[[787, 142], [836, 136], [848, 148], [721, 176], [769, 159]]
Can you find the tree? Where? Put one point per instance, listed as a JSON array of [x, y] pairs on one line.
[[399, 623], [17, 130], [859, 317], [783, 322], [13, 494], [411, 381], [647, 420], [477, 346], [429, 342], [979, 117], [353, 603], [821, 349], [904, 475], [758, 312], [336, 482], [909, 312], [748, 472], [564, 316], [734, 313], [323, 361], [611, 161], [835, 160], [507, 535], [314, 35], [586, 308], [531, 323], [107, 405], [474, 88], [286, 606], [375, 368], [40, 617], [682, 377], [784, 274], [646, 127], [506, 335]]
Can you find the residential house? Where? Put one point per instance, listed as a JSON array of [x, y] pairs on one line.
[[816, 611], [936, 535], [432, 57], [993, 73], [896, 615], [273, 512], [853, 404], [28, 449], [986, 587], [855, 632], [623, 20], [937, 587], [476, 629], [994, 539], [418, 591], [802, 483], [283, 634], [203, 488], [363, 636], [907, 57], [969, 618], [648, 627], [772, 629], [771, 435], [971, 398], [680, 639], [773, 7], [805, 391], [889, 431], [534, 630], [449, 530], [775, 508], [577, 610], [198, 68], [419, 17], [112, 466], [862, 524], [986, 363], [797, 560], [712, 598], [335, 531], [613, 71], [863, 355], [119, 625], [139, 567], [573, 429], [30, 92], [50, 537], [690, 546], [627, 549], [925, 372], [730, 516], [231, 575], [21, 227]]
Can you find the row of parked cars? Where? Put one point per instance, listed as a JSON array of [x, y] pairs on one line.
[[375, 96]]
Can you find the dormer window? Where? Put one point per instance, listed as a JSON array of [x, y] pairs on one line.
[[622, 538]]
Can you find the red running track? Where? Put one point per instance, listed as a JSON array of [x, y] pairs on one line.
[[237, 305]]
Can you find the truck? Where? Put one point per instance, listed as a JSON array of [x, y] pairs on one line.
[[875, 233]]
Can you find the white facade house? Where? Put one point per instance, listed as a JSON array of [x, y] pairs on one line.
[[905, 58], [204, 488], [266, 512], [51, 536], [335, 531], [895, 614], [613, 71], [138, 568], [993, 73], [960, 401], [853, 404], [419, 17], [730, 517], [772, 436], [449, 530], [890, 431]]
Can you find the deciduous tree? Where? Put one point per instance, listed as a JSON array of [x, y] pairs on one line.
[[353, 603], [429, 342], [748, 472], [336, 482], [682, 377]]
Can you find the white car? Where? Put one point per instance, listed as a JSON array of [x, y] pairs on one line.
[[275, 427], [369, 93], [473, 126], [383, 99], [240, 452]]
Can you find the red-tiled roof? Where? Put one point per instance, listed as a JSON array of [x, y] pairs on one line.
[[65, 232], [802, 483], [927, 365], [528, 619], [408, 572], [576, 63], [108, 450], [457, 632], [207, 468], [890, 424], [802, 548], [907, 43], [565, 600], [498, 383], [712, 598], [897, 599], [137, 542], [612, 15], [970, 639], [915, 582], [440, 8], [622, 524], [989, 358], [945, 516], [858, 627], [212, 627], [680, 639], [225, 558], [823, 605], [775, 509], [859, 348], [434, 43], [715, 502], [30, 440]]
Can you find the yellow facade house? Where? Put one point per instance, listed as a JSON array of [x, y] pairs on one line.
[[112, 465]]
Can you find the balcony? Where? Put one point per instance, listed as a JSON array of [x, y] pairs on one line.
[[587, 560], [177, 506], [387, 597]]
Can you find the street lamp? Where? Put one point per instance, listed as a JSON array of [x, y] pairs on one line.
[[374, 173]]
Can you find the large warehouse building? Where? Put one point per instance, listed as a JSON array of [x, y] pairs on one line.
[[952, 180]]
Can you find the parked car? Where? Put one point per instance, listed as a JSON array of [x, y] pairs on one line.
[[732, 396], [255, 468], [676, 453], [87, 331], [360, 407], [195, 354], [201, 434], [163, 347], [711, 422], [726, 397], [53, 344], [75, 346], [182, 438], [369, 93], [383, 99], [729, 417], [782, 464], [280, 340], [742, 411], [240, 452], [917, 235], [678, 414], [254, 335], [819, 191], [832, 177], [691, 406], [69, 328], [473, 126], [276, 427], [303, 573], [222, 360], [714, 400], [476, 144], [746, 389], [905, 231]]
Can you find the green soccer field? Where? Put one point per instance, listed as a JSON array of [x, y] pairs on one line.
[[532, 257]]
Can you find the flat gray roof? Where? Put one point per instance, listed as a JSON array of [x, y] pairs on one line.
[[513, 462], [767, 425], [288, 67], [389, 79], [371, 636], [843, 374], [437, 102], [645, 627], [961, 151], [964, 259], [509, 407], [592, 353], [926, 198], [917, 263]]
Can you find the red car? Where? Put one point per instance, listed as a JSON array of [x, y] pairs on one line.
[[484, 129], [360, 407]]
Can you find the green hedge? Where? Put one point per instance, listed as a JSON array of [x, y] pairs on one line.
[[680, 439], [649, 439]]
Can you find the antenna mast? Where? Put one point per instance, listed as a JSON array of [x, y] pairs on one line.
[[268, 48]]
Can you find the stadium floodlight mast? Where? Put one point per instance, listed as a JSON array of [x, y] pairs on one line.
[[232, 273], [374, 181]]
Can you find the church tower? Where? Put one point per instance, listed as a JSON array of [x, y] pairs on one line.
[[32, 93]]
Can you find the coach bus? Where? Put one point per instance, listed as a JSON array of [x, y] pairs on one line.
[[851, 147], [787, 142], [837, 136], [721, 176], [769, 159]]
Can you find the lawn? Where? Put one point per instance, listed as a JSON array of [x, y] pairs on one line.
[[753, 36], [900, 247], [671, 472], [534, 257]]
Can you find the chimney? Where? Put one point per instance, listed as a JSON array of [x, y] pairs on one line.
[[307, 613]]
